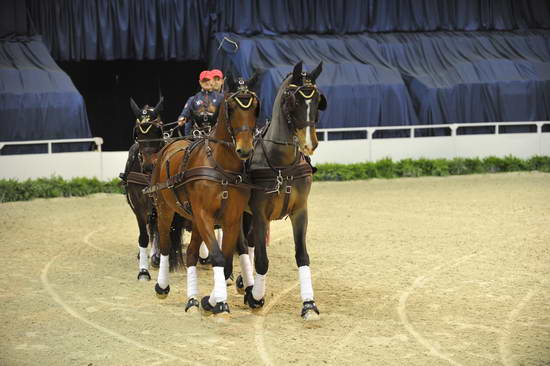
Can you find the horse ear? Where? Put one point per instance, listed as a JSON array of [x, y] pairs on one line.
[[134, 107], [231, 85], [322, 103], [315, 73], [252, 81], [159, 105], [297, 73]]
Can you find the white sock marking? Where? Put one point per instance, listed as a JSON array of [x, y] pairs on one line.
[[143, 258], [306, 288], [219, 294], [192, 282], [163, 272], [246, 269], [258, 291], [203, 251]]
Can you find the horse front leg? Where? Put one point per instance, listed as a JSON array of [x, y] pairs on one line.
[[216, 303], [164, 222], [192, 257], [299, 228], [254, 294], [143, 241]]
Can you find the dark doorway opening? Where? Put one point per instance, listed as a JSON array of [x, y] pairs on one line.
[[108, 85]]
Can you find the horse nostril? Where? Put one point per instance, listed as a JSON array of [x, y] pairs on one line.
[[240, 151]]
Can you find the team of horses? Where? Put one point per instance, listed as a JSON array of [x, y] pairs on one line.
[[235, 177]]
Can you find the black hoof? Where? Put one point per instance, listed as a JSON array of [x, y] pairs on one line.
[[250, 300], [144, 275], [204, 261], [162, 293], [310, 311], [191, 304], [239, 284], [155, 261], [219, 308]]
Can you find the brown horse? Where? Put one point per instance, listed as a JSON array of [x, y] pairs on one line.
[[204, 181], [280, 167], [148, 135]]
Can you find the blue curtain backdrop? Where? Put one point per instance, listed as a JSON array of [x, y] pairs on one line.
[[406, 78], [37, 99], [180, 29], [387, 62]]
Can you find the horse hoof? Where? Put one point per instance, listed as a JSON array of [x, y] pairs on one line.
[[162, 293], [205, 261], [229, 281], [221, 309], [239, 284], [192, 305], [144, 275], [155, 261], [310, 311], [251, 301]]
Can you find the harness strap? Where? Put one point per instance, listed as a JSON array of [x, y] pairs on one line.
[[141, 179], [284, 209]]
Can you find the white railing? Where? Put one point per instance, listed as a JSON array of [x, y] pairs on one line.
[[107, 165], [97, 140], [371, 148], [64, 164]]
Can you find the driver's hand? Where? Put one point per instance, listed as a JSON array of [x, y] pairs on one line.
[[181, 121]]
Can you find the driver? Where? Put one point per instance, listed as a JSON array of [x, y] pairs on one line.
[[199, 110]]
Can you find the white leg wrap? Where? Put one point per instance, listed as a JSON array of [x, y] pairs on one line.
[[219, 237], [251, 255], [192, 282], [258, 291], [219, 293], [246, 269], [203, 251], [143, 258], [163, 272], [306, 289]]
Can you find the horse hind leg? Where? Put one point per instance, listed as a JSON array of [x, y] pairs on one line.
[[299, 228], [192, 256], [246, 278], [154, 252]]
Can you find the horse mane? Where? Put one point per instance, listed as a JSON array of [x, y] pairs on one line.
[[277, 113]]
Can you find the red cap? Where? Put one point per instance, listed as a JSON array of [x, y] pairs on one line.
[[217, 73], [205, 75]]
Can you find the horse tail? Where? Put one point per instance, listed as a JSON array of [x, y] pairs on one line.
[[176, 243]]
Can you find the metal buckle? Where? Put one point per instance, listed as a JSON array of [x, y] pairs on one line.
[[197, 133], [239, 179], [225, 195], [225, 182], [288, 189]]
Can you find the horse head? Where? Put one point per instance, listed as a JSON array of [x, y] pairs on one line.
[[301, 104], [242, 107], [148, 133]]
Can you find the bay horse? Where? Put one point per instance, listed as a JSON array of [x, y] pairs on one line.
[[149, 139], [204, 180], [280, 167]]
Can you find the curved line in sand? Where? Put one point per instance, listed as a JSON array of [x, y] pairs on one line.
[[55, 296], [506, 355], [402, 307]]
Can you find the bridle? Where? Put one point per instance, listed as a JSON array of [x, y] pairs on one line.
[[307, 91], [144, 126], [244, 99]]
